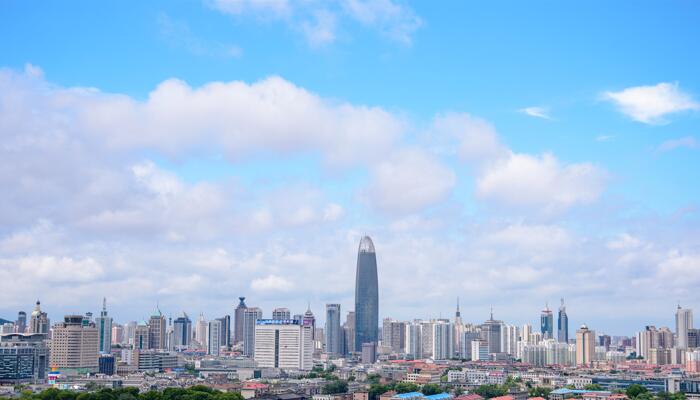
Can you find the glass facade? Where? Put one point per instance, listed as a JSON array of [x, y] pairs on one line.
[[366, 295]]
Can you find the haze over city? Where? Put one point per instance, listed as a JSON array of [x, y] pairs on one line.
[[179, 155]]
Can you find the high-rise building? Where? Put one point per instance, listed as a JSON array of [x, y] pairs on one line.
[[562, 324], [156, 331], [284, 344], [480, 350], [75, 346], [509, 339], [647, 339], [585, 346], [491, 331], [413, 341], [369, 353], [397, 337], [200, 332], [225, 331], [250, 315], [547, 323], [214, 339], [182, 332], [21, 324], [104, 329], [459, 329], [366, 295], [281, 313], [350, 332], [117, 334], [39, 323], [141, 335], [442, 340], [24, 358], [684, 322], [310, 320], [693, 338], [238, 321], [332, 329], [465, 351]]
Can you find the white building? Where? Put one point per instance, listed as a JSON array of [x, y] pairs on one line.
[[214, 338], [284, 344], [442, 340]]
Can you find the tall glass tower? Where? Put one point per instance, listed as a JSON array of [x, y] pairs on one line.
[[366, 295], [562, 324], [547, 323]]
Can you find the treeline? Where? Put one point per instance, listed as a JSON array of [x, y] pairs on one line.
[[198, 392]]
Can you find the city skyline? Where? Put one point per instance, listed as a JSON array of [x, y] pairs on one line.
[[185, 154]]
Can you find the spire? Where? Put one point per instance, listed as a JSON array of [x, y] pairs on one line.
[[491, 313], [104, 304], [458, 314]]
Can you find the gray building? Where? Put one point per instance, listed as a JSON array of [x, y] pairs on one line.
[[104, 329], [547, 323], [562, 324], [366, 295], [21, 324], [238, 321], [24, 358], [225, 339], [332, 330], [250, 315], [491, 332], [182, 332], [282, 313]]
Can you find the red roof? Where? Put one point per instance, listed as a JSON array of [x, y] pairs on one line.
[[503, 398], [535, 398], [254, 385], [472, 396]]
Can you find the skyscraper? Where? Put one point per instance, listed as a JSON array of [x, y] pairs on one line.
[[442, 340], [350, 332], [310, 320], [21, 324], [182, 332], [585, 346], [104, 329], [156, 331], [75, 346], [684, 322], [40, 320], [562, 324], [332, 330], [200, 332], [250, 315], [238, 321], [214, 340], [225, 340], [492, 334], [283, 343], [547, 323], [281, 313], [366, 295]]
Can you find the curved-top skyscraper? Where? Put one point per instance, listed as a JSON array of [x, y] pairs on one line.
[[366, 295]]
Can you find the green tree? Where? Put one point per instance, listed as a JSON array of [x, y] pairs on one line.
[[376, 390], [430, 389], [338, 386], [228, 396], [593, 386], [405, 387], [539, 391], [151, 395], [489, 391], [635, 390]]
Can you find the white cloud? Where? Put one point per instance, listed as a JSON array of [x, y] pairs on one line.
[[320, 30], [57, 269], [650, 104], [179, 34], [271, 8], [393, 19], [271, 283], [688, 142], [409, 181], [540, 181], [477, 139], [537, 112]]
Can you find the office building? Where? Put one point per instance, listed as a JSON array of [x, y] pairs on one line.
[[225, 339], [141, 334], [491, 332], [182, 332], [238, 321], [684, 322], [250, 316], [118, 334], [465, 350], [285, 344], [200, 332], [369, 353], [332, 330], [156, 331], [366, 295], [310, 320], [106, 364], [585, 346], [413, 341], [39, 322], [24, 358], [480, 350], [214, 338], [104, 329], [443, 341], [350, 332], [21, 323], [74, 346], [281, 313], [562, 324], [547, 323]]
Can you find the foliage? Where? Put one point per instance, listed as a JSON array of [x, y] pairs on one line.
[[593, 386], [670, 396], [539, 391], [373, 378], [489, 391], [338, 386], [198, 392], [376, 390], [405, 387], [635, 390], [430, 389]]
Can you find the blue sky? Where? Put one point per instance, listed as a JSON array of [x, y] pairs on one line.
[[539, 141]]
